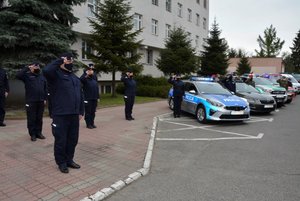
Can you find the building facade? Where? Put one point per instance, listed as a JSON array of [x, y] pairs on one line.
[[156, 18]]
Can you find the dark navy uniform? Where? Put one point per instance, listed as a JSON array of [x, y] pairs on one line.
[[129, 95], [66, 106], [178, 93], [35, 95], [4, 88], [229, 83], [91, 96]]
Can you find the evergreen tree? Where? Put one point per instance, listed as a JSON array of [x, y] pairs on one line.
[[236, 53], [243, 66], [270, 45], [178, 56], [295, 57], [288, 62], [214, 57], [35, 30], [113, 39]]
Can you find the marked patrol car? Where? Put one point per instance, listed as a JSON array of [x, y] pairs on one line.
[[208, 100]]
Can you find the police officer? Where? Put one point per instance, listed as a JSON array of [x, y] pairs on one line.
[[36, 96], [178, 93], [229, 83], [129, 94], [91, 95], [67, 109], [283, 82], [4, 90]]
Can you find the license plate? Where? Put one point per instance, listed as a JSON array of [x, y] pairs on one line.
[[237, 112], [280, 100], [268, 106], [280, 96]]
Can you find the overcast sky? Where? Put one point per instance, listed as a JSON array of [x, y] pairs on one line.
[[242, 21]]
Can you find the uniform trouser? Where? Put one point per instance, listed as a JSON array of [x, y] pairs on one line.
[[90, 110], [35, 112], [177, 105], [65, 129], [2, 110], [129, 101]]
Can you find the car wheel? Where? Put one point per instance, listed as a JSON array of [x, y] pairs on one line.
[[289, 101], [171, 103], [201, 114]]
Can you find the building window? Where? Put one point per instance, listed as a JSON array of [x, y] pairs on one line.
[[197, 19], [204, 4], [137, 21], [155, 2], [198, 1], [197, 41], [168, 5], [150, 57], [189, 15], [179, 10], [204, 23], [154, 27], [92, 7], [85, 49], [168, 30]]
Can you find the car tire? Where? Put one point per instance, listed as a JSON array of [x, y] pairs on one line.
[[201, 114], [289, 101], [171, 103]]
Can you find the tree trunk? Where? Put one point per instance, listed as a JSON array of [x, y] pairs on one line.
[[113, 84]]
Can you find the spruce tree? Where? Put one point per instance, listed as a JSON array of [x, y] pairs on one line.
[[295, 57], [214, 57], [35, 30], [113, 39], [270, 45], [243, 66], [179, 55]]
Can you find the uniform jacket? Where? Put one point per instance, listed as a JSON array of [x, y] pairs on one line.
[[90, 87], [35, 85], [65, 90], [178, 87], [230, 85], [4, 86], [130, 85]]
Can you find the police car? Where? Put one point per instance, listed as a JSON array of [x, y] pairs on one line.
[[209, 100]]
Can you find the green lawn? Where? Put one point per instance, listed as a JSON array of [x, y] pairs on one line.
[[105, 101]]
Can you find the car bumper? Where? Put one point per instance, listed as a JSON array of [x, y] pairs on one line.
[[221, 114], [262, 107]]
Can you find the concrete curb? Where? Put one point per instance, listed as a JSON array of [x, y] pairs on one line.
[[105, 192]]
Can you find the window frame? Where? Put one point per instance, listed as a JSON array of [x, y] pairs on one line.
[[190, 13], [169, 5], [137, 21], [154, 27]]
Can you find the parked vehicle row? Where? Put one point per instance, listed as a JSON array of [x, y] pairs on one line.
[[209, 100]]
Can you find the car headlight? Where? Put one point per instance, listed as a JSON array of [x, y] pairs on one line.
[[268, 90], [215, 103], [253, 100]]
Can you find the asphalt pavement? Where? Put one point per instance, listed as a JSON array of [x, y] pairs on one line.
[[107, 154]]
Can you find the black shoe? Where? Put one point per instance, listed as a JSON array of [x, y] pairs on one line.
[[131, 118], [33, 138], [63, 168], [2, 124], [73, 165], [175, 116], [41, 136], [94, 126], [178, 116], [90, 127]]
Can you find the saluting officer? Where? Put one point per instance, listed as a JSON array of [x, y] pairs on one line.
[[4, 90], [178, 93], [91, 95], [129, 94], [36, 96], [66, 108]]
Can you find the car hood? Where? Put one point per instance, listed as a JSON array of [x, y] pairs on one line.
[[255, 95], [227, 100], [272, 87]]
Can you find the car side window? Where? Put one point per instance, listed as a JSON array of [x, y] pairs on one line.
[[187, 86], [192, 87]]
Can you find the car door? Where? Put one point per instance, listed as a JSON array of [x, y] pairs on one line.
[[191, 97]]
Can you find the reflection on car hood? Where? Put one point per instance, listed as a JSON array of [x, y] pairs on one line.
[[272, 87], [255, 95], [227, 100]]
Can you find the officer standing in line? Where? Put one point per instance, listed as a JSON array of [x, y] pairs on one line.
[[67, 109], [36, 96], [229, 83], [250, 81], [4, 90], [283, 82], [178, 93], [129, 94], [91, 95]]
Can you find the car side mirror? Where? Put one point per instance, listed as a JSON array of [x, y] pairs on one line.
[[192, 92]]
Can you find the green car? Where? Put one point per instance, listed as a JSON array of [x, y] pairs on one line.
[[266, 86]]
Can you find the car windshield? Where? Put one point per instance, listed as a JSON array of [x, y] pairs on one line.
[[212, 88], [293, 80], [243, 87], [262, 81], [297, 76]]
